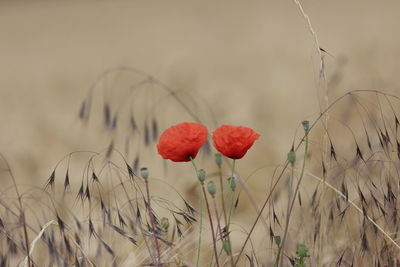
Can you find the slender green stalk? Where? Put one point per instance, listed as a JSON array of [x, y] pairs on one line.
[[200, 217], [218, 216], [221, 184], [291, 177], [294, 197], [229, 217], [211, 225]]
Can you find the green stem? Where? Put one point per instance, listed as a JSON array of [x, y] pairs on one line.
[[233, 195], [291, 177], [229, 217], [230, 212], [294, 197], [200, 215], [211, 225], [222, 196]]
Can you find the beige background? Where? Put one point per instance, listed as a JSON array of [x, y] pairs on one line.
[[253, 62]]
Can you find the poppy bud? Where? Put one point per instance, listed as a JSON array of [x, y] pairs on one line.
[[302, 251], [144, 172], [291, 157], [201, 175], [165, 223], [306, 125], [211, 188], [232, 183], [227, 247], [218, 159], [278, 240]]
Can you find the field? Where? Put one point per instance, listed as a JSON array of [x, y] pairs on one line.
[[87, 88]]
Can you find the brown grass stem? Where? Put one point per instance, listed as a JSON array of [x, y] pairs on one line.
[[153, 228]]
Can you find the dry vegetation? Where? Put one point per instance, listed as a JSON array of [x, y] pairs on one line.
[[335, 205]]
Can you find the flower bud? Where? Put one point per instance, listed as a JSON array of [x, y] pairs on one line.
[[302, 251], [277, 240], [291, 157], [227, 247], [218, 159], [144, 172], [201, 175], [211, 188], [165, 223], [306, 125], [232, 183]]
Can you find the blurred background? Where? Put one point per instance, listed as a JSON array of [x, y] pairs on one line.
[[235, 62]]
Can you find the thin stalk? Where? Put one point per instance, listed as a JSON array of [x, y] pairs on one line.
[[152, 223], [229, 218], [211, 224], [22, 211], [354, 205], [291, 177], [218, 217], [294, 198], [200, 219], [221, 184]]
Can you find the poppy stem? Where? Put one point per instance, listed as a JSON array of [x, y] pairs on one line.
[[211, 224], [290, 191], [230, 215], [200, 216], [294, 199], [222, 195], [221, 234]]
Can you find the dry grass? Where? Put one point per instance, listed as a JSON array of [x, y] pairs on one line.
[[339, 199]]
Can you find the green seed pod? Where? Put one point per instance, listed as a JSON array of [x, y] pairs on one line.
[[278, 240], [302, 251], [144, 172], [201, 175], [227, 247], [211, 188], [165, 223], [232, 183], [218, 159], [291, 157], [306, 125]]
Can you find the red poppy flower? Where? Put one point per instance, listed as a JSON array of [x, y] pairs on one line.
[[234, 141], [181, 142]]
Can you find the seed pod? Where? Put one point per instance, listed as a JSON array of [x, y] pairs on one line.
[[278, 240], [232, 183], [218, 159], [144, 172], [201, 175], [165, 223], [291, 157], [211, 188], [227, 247], [306, 125]]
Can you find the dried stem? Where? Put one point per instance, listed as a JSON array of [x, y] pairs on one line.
[[153, 228], [22, 210]]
